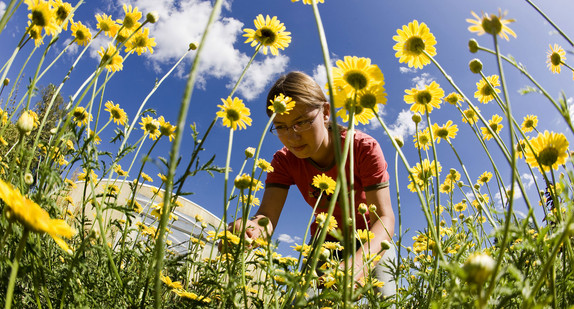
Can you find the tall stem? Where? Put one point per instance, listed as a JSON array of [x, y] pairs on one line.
[[14, 272]]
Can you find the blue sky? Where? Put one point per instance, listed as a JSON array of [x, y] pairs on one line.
[[356, 28]]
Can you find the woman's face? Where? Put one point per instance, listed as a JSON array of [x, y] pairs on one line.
[[311, 143]]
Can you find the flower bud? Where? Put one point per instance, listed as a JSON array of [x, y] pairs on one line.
[[460, 184], [473, 46], [385, 245], [263, 221], [324, 254], [6, 81], [373, 208], [25, 123], [152, 17], [417, 118], [193, 46], [476, 187], [478, 268], [362, 208], [399, 140], [475, 66], [28, 178], [249, 152]]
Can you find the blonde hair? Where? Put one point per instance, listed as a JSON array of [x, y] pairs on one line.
[[300, 87]]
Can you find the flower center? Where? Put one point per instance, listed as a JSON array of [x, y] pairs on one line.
[[529, 123], [232, 115], [80, 35], [116, 114], [266, 36], [140, 41], [61, 13], [38, 18], [423, 97], [556, 59], [487, 90], [414, 45], [105, 26], [442, 132], [128, 22], [548, 156], [494, 126], [492, 25], [356, 79], [368, 100]]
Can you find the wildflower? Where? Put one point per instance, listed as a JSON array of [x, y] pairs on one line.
[[520, 148], [152, 17], [426, 99], [5, 83], [166, 129], [549, 150], [360, 114], [484, 93], [475, 66], [141, 42], [269, 34], [416, 118], [446, 186], [42, 16], [354, 74], [70, 183], [35, 33], [84, 176], [478, 268], [421, 173], [492, 24], [234, 113], [399, 140], [132, 17], [244, 182], [412, 42], [93, 136], [25, 123], [146, 177], [249, 152], [460, 206], [453, 98], [309, 1], [484, 178], [529, 123], [453, 176], [33, 217], [446, 131], [170, 284], [28, 178], [324, 183], [422, 139], [481, 199], [470, 116], [150, 126], [162, 177], [3, 141], [106, 24], [117, 114], [232, 238], [264, 165], [81, 33], [556, 57], [281, 104], [111, 58], [472, 46], [137, 207], [198, 218], [118, 169], [494, 124], [322, 217], [62, 11], [363, 208], [250, 200]]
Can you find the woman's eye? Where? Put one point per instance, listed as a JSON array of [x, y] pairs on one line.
[[280, 128]]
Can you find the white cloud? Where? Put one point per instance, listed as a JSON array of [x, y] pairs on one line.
[[2, 8], [498, 199], [183, 22], [320, 76], [404, 126], [422, 80], [288, 239], [405, 70], [528, 180], [570, 104]]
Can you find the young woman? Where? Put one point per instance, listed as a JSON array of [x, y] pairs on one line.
[[309, 151]]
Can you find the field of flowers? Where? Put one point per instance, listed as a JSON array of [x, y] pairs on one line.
[[62, 252]]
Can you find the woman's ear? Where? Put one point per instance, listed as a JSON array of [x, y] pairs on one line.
[[326, 110]]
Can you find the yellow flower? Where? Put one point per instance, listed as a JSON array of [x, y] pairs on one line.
[[166, 129], [446, 131], [118, 169], [364, 235], [422, 139], [82, 35], [529, 123], [117, 114], [484, 93], [43, 16], [484, 178], [556, 57], [324, 183], [92, 135], [269, 34], [81, 116], [422, 173], [234, 113], [426, 99], [106, 24], [132, 17], [309, 1], [245, 182], [150, 126], [35, 33], [360, 114], [460, 206], [33, 217], [446, 186], [322, 217], [61, 11], [141, 42], [494, 124], [85, 176], [412, 40], [170, 284], [281, 104], [549, 150], [453, 98], [162, 177], [492, 24], [356, 73], [111, 58], [471, 115], [264, 165]]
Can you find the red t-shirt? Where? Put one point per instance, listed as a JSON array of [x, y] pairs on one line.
[[370, 173]]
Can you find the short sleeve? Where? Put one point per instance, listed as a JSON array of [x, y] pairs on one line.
[[371, 164]]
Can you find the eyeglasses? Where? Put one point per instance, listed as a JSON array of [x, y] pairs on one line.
[[298, 127]]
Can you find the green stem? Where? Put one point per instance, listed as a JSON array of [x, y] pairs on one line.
[[14, 272], [552, 23], [8, 13]]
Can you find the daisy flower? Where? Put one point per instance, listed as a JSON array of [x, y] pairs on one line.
[[484, 93], [132, 17], [460, 206], [364, 235], [494, 124], [269, 34], [556, 57], [281, 104], [117, 114], [453, 98], [426, 99], [360, 114], [151, 127], [492, 24], [470, 116], [422, 173], [43, 16], [446, 131], [324, 183], [166, 128], [245, 182], [111, 59], [81, 116], [141, 42], [529, 123], [264, 165], [61, 11], [484, 178], [354, 74], [234, 113], [422, 139], [107, 25], [412, 40], [549, 150], [81, 33]]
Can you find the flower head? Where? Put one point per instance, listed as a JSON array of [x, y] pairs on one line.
[[556, 57], [360, 114], [43, 16], [426, 99], [492, 24], [412, 41], [234, 113], [62, 11], [324, 183], [422, 139], [549, 150], [81, 34], [494, 124], [111, 58], [484, 93], [245, 182], [132, 17], [529, 123], [166, 128], [264, 165], [81, 116], [453, 98], [117, 114], [269, 34], [364, 235], [151, 127], [281, 104], [422, 173], [470, 116], [107, 24], [141, 42], [446, 131], [354, 74]]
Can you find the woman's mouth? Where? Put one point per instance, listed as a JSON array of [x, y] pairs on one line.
[[298, 148]]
